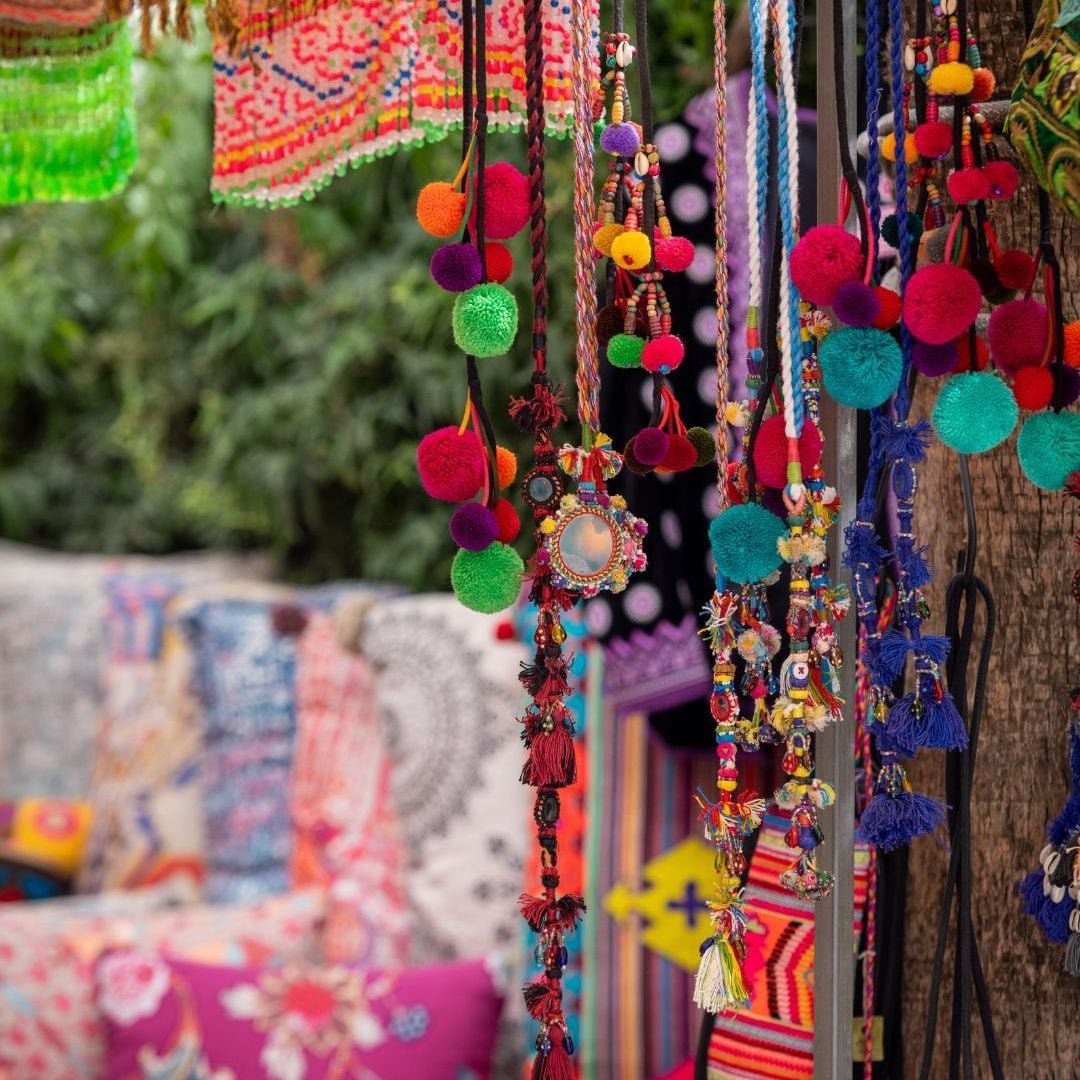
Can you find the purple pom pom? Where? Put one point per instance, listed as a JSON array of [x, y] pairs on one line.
[[456, 267], [934, 360], [856, 304], [773, 501], [622, 140], [473, 526], [1066, 386], [650, 446]]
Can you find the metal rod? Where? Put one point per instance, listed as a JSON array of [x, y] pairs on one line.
[[834, 951]]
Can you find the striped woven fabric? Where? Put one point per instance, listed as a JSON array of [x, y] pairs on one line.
[[43, 14], [308, 89], [774, 1038]]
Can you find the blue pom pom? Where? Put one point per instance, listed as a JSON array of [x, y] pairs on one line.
[[891, 821], [974, 412], [1049, 448], [744, 539], [861, 366]]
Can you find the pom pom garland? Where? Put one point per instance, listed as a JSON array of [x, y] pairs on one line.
[[941, 301], [473, 526], [451, 465], [933, 140], [440, 209], [456, 267], [860, 367], [824, 259], [674, 253], [506, 201], [857, 304], [509, 524], [1017, 334], [624, 351], [651, 446], [934, 360], [974, 412], [1049, 448], [1033, 387], [771, 451], [505, 466], [662, 354], [952, 78], [499, 262], [485, 320], [488, 581], [888, 309], [631, 250], [620, 140], [744, 542]]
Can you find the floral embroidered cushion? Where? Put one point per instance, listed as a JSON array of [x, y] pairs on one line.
[[169, 1018]]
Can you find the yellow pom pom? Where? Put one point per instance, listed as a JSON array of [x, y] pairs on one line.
[[952, 78], [440, 209], [631, 250], [505, 466], [604, 237]]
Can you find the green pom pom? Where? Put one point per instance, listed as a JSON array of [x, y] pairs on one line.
[[890, 229], [704, 444], [744, 540], [974, 412], [487, 580], [624, 351], [1049, 448], [860, 366], [485, 320]]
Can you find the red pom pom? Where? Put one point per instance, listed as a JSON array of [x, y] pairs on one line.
[[963, 354], [933, 140], [1033, 387], [1017, 334], [499, 261], [889, 315], [824, 258], [451, 465], [771, 451], [1015, 269], [506, 201], [505, 631], [681, 455], [941, 301], [662, 354], [509, 522], [1002, 178], [674, 253], [968, 185]]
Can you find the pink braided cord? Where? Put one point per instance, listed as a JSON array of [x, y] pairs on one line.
[[722, 300]]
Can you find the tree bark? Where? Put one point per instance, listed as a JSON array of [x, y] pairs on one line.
[[1021, 779]]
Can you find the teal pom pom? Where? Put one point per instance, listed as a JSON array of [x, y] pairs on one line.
[[974, 412], [485, 320], [1049, 448], [624, 351], [890, 229], [860, 366], [744, 539], [488, 580]]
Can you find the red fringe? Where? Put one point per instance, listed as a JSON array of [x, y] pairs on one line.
[[556, 1064], [540, 997], [539, 912], [551, 761], [534, 910]]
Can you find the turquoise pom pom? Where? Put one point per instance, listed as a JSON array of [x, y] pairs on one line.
[[974, 412], [860, 366], [1049, 448], [744, 540]]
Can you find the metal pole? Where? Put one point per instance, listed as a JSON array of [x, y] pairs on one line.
[[834, 951]]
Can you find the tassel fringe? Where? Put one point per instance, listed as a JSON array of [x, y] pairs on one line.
[[891, 821], [719, 986]]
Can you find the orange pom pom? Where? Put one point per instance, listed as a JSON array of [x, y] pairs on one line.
[[440, 209], [888, 148], [983, 84], [1072, 344], [505, 466]]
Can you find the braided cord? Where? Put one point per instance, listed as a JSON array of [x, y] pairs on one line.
[[722, 298], [588, 359], [534, 96], [757, 154], [873, 105]]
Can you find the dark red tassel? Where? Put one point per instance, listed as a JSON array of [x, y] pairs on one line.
[[551, 761], [556, 1063], [534, 910], [539, 998], [571, 909]]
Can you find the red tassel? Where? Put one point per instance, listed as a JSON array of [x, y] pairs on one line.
[[539, 912], [556, 1063], [539, 998], [551, 761], [571, 909], [534, 910]]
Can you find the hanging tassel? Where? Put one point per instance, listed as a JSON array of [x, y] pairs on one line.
[[943, 726], [719, 986], [540, 997], [551, 761], [540, 912], [896, 814], [1052, 918], [553, 1056]]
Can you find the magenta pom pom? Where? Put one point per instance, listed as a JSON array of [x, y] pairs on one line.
[[674, 253], [451, 466], [968, 185], [473, 526], [941, 301], [662, 354], [1003, 179], [620, 140], [651, 446], [934, 360], [506, 201], [823, 260], [456, 267], [771, 451], [856, 304], [1017, 334], [933, 140]]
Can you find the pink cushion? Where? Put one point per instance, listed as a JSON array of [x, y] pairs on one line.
[[171, 1017]]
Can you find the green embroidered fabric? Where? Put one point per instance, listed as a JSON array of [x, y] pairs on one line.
[[1044, 118]]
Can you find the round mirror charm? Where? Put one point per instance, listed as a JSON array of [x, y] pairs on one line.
[[592, 542]]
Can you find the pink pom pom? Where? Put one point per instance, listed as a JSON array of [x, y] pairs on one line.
[[662, 354], [771, 451], [968, 185], [650, 446], [674, 253], [1017, 334], [823, 260], [451, 466], [933, 140], [941, 302], [506, 201], [1002, 178]]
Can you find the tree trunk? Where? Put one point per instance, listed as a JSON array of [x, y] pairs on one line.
[[1022, 776]]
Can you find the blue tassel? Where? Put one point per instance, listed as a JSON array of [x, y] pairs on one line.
[[891, 821], [942, 725], [892, 656], [1068, 819], [861, 545], [936, 646], [916, 568], [902, 442], [1053, 919]]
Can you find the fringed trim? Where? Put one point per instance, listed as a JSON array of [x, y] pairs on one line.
[[891, 821], [164, 16]]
